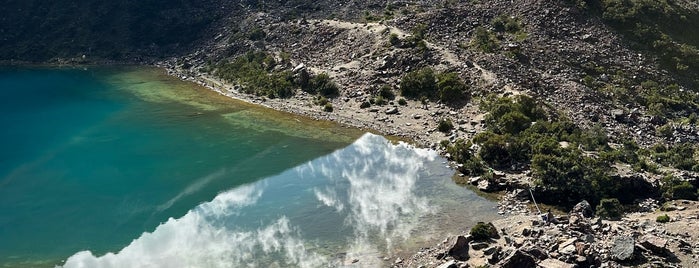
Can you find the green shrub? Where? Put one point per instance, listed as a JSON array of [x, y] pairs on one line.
[[402, 101], [379, 100], [451, 89], [610, 209], [484, 40], [685, 191], [364, 104], [663, 218], [461, 153], [394, 40], [254, 71], [323, 85], [320, 101], [386, 92], [504, 23], [445, 125], [484, 231], [328, 107], [420, 83]]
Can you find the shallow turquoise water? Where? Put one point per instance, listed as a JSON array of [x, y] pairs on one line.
[[162, 173]]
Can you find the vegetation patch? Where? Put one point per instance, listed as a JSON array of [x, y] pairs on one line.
[[425, 84]]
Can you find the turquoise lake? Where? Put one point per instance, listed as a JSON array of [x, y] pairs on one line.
[[128, 167]]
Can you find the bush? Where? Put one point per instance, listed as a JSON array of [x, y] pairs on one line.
[[484, 231], [484, 40], [610, 209], [451, 89], [364, 104], [386, 92], [685, 191], [323, 85], [328, 107], [402, 101], [254, 72], [663, 218], [420, 83], [394, 40], [445, 125], [461, 153], [504, 23]]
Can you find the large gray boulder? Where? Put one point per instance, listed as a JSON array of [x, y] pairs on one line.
[[623, 248]]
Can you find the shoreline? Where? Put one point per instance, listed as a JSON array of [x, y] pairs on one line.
[[412, 123]]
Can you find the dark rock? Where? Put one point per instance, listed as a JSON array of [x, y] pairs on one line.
[[479, 245], [518, 259], [584, 208], [537, 252], [460, 249], [491, 250], [623, 248]]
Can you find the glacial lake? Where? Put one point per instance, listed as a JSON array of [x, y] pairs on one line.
[[129, 167]]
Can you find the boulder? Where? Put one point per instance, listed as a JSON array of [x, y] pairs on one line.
[[459, 250], [518, 259], [655, 244], [554, 263], [583, 208], [622, 248]]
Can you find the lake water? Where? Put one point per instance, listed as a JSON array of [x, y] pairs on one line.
[[128, 167]]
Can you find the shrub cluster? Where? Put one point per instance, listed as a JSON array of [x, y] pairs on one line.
[[445, 87], [484, 231], [256, 72]]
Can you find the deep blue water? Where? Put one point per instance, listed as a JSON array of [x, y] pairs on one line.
[[162, 173]]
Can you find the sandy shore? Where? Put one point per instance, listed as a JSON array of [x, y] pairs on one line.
[[413, 122]]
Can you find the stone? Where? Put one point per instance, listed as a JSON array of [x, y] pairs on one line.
[[479, 245], [568, 250], [554, 263], [622, 248], [568, 242], [449, 264], [537, 252], [518, 259], [491, 250], [460, 249], [584, 208], [655, 244], [485, 186], [393, 110]]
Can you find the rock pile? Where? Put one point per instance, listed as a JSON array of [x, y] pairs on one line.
[[574, 240]]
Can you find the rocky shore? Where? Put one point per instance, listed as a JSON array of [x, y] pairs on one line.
[[558, 47]]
